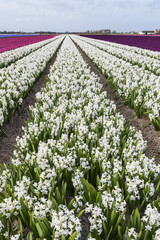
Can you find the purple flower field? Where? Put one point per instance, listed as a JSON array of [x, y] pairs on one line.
[[141, 41]]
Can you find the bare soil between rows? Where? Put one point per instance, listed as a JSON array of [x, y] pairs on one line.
[[14, 128], [149, 133]]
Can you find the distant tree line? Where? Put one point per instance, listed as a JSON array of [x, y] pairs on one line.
[[11, 32], [101, 31], [98, 32]]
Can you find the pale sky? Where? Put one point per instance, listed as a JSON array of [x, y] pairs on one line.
[[79, 15]]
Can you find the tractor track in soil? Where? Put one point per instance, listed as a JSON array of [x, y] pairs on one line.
[[143, 124], [14, 128]]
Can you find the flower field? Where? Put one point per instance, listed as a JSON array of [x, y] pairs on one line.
[[150, 42], [76, 158], [135, 75], [17, 79], [8, 57], [7, 44]]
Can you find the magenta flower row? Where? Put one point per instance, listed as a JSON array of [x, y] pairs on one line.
[[7, 44]]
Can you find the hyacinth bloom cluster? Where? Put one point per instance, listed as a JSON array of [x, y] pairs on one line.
[[76, 146], [17, 79], [150, 42], [135, 76], [11, 56], [7, 44]]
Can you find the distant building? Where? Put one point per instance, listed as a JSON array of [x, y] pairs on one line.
[[157, 31], [147, 32]]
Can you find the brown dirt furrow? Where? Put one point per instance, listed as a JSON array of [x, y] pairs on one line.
[[149, 133], [14, 128]]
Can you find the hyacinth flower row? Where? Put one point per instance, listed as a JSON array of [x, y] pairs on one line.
[[145, 52], [77, 156], [12, 56], [146, 62], [17, 79], [138, 87]]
